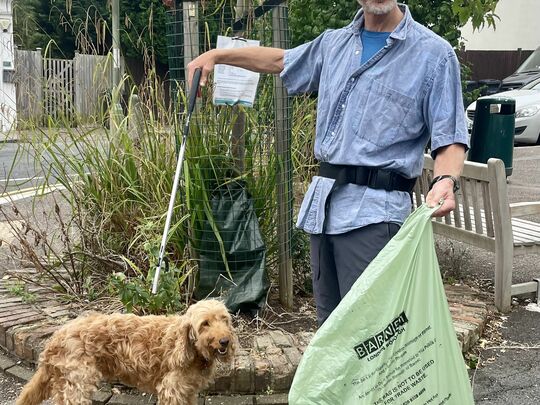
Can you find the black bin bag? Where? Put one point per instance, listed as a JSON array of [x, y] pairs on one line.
[[232, 246]]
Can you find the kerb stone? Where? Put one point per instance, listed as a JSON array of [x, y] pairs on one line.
[[125, 399], [20, 373], [275, 399], [5, 362], [223, 400]]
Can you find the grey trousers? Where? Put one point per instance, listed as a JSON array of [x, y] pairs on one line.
[[341, 259]]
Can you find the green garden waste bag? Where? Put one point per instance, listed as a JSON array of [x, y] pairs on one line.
[[391, 339], [240, 244]]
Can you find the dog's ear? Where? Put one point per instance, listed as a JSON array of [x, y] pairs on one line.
[[184, 347]]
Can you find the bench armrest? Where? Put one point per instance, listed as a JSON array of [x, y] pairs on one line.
[[525, 208]]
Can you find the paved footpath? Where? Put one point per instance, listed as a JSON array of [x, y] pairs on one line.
[[511, 374]]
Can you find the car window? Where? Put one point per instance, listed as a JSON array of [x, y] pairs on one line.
[[532, 63]]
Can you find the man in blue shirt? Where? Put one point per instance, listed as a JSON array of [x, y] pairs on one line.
[[386, 85]]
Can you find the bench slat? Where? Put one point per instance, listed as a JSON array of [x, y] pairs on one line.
[[521, 238], [466, 208], [475, 194], [487, 210], [476, 171], [531, 230], [457, 211]]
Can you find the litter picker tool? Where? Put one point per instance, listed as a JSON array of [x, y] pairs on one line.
[[191, 106]]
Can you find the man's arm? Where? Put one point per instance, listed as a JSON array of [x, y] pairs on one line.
[[449, 160], [257, 59]]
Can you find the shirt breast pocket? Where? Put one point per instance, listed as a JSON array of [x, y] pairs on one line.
[[385, 110]]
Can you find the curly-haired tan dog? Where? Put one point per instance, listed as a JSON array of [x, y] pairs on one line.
[[173, 356]]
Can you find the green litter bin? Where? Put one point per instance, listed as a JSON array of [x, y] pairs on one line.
[[493, 131]]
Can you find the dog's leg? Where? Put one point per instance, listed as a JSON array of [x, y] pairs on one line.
[[177, 389], [77, 386]]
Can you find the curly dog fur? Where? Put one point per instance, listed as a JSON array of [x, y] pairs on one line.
[[172, 356]]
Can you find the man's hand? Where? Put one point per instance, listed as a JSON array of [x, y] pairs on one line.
[[442, 190], [206, 63], [448, 161]]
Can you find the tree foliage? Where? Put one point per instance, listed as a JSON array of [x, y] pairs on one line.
[[308, 18], [85, 26]]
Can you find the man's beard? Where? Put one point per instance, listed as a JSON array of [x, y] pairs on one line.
[[374, 7]]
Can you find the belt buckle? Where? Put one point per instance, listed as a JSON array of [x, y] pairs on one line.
[[380, 179]]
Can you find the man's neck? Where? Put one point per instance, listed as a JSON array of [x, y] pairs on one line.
[[384, 22]]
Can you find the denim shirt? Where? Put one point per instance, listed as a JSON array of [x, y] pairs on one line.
[[378, 114]]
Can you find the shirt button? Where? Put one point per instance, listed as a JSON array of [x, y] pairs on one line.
[[342, 105], [356, 52], [352, 79], [333, 133]]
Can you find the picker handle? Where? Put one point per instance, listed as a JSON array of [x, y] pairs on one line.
[[191, 106], [194, 89]]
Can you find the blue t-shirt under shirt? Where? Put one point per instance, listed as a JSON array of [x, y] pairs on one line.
[[372, 42]]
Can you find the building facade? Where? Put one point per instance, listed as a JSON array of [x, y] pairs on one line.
[[8, 102]]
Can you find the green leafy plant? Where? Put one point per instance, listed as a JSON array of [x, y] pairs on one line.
[[20, 289], [135, 291]]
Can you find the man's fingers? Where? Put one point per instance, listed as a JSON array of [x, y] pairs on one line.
[[446, 207]]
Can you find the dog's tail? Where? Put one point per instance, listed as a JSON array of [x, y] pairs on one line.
[[37, 390]]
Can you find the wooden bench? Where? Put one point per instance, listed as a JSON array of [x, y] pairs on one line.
[[484, 218]]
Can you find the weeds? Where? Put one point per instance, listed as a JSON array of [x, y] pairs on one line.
[[21, 290], [453, 260]]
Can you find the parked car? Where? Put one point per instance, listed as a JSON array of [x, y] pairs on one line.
[[526, 73], [527, 112]]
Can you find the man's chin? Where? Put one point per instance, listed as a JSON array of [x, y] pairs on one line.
[[377, 9]]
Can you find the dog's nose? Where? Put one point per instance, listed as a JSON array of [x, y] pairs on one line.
[[224, 342]]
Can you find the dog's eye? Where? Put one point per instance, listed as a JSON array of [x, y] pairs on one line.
[[205, 324]]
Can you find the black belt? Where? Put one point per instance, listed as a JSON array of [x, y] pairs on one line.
[[362, 176], [367, 176]]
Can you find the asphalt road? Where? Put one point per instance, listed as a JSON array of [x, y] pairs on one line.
[[17, 169], [24, 166]]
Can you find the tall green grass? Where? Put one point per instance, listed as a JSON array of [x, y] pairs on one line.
[[118, 173], [118, 182]]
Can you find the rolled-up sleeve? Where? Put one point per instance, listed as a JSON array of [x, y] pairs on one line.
[[303, 65], [443, 108]]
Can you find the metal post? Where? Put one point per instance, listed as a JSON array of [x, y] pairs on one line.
[[116, 109], [116, 42], [190, 13], [284, 176], [238, 141]]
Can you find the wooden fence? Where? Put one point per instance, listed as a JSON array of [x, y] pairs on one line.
[[58, 89], [493, 64], [71, 90], [29, 84]]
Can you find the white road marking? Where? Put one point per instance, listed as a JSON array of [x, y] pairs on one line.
[[22, 179], [7, 198]]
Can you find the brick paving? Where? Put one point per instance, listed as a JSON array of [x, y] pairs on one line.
[[261, 374]]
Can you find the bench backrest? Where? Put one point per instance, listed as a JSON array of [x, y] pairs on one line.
[[481, 203]]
